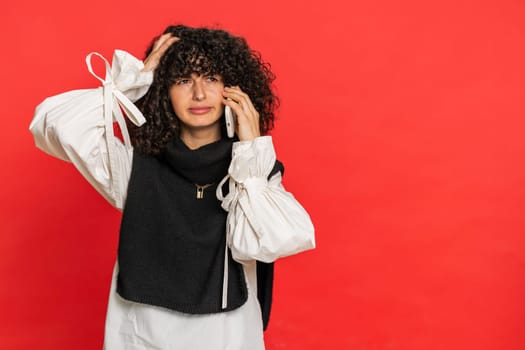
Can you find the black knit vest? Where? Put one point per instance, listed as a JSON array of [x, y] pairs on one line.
[[172, 243]]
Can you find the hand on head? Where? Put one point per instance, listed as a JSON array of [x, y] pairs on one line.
[[159, 48]]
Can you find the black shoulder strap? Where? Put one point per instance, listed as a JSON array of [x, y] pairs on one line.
[[265, 289], [265, 271]]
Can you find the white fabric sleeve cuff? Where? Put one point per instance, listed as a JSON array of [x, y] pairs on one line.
[[128, 77], [251, 159]]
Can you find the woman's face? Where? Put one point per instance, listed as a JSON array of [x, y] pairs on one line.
[[197, 101]]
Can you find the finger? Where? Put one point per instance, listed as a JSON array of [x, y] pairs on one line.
[[161, 40], [164, 44], [246, 127], [161, 45], [236, 95], [242, 98], [247, 123], [237, 108], [242, 107]]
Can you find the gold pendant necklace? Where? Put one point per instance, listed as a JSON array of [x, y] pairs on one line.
[[200, 190]]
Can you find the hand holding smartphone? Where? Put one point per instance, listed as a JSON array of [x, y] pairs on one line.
[[245, 124]]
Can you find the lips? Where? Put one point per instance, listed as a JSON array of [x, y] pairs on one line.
[[200, 110]]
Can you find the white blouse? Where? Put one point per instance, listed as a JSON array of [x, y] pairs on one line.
[[264, 221]]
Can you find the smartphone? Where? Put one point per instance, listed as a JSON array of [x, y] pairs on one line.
[[230, 116]]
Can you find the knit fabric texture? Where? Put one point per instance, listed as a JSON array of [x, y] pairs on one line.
[[172, 244]]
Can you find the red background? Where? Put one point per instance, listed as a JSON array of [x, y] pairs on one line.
[[401, 129]]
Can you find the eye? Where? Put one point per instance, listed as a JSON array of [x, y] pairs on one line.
[[182, 81], [213, 78]]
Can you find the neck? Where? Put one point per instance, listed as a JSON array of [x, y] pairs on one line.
[[197, 138]]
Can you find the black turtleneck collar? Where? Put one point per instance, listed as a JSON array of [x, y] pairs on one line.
[[204, 165]]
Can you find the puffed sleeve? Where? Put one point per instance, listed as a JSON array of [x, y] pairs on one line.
[[265, 222], [128, 77], [71, 127]]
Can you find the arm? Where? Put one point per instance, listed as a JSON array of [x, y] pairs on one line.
[[265, 222], [71, 127]]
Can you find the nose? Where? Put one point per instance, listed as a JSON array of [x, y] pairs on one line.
[[199, 92]]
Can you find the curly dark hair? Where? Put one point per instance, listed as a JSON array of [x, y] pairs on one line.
[[202, 51]]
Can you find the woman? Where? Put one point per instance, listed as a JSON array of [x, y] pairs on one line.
[[204, 215]]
